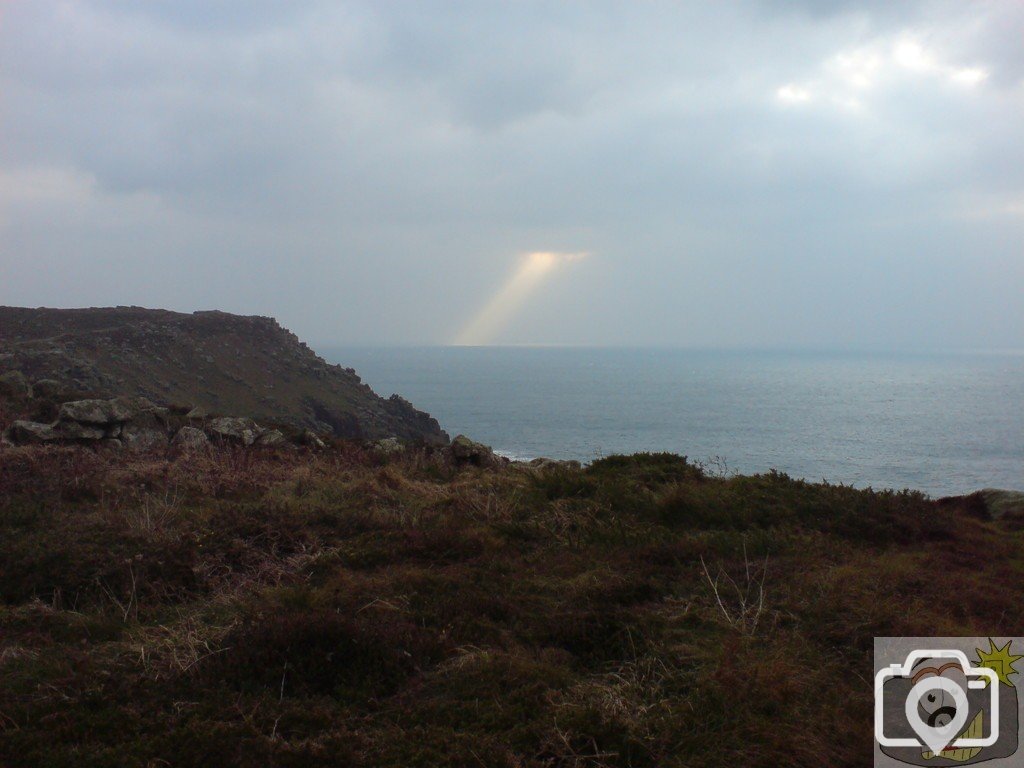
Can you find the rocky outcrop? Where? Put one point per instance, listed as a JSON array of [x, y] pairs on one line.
[[139, 425], [111, 412], [466, 452], [133, 421], [213, 362]]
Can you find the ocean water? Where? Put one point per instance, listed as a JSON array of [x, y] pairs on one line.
[[943, 424]]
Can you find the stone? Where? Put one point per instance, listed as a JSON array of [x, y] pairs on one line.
[[14, 384], [24, 432], [139, 408], [272, 438], [119, 409], [389, 445], [91, 412], [190, 439], [73, 430], [197, 414], [465, 451], [234, 429], [139, 437], [311, 439]]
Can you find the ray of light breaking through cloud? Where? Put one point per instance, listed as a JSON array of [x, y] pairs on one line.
[[533, 269]]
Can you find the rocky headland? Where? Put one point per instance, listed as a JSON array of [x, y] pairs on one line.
[[200, 364]]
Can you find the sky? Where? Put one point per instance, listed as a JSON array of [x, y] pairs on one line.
[[759, 174]]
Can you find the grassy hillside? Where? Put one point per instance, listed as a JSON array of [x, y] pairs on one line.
[[223, 363], [343, 608]]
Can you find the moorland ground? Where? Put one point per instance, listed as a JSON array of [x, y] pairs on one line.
[[345, 608]]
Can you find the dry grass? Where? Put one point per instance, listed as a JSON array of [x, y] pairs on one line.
[[256, 609]]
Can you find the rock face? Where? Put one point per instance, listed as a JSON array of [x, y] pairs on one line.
[[213, 361]]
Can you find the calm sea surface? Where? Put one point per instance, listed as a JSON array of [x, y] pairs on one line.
[[943, 424]]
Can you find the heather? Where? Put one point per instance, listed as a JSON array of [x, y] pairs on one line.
[[343, 607]]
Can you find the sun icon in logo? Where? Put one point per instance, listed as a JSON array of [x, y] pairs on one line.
[[999, 660]]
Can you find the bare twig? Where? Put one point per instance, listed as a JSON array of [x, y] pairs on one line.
[[744, 610]]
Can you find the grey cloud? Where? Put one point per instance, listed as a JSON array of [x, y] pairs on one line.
[[369, 171]]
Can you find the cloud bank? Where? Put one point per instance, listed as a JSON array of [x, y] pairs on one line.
[[760, 173]]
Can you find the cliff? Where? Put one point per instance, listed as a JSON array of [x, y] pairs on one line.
[[218, 362]]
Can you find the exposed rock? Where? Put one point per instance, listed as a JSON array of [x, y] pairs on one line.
[[139, 408], [190, 439], [139, 437], [73, 430], [1001, 503], [94, 412], [311, 439], [271, 438], [234, 429], [24, 432], [135, 420], [197, 414], [417, 424], [215, 361], [469, 452], [389, 445]]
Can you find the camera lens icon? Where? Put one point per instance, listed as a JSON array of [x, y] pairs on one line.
[[936, 710]]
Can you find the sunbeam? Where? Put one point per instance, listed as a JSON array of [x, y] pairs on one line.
[[502, 307]]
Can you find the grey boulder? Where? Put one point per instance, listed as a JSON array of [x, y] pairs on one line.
[[119, 409], [190, 439], [469, 452], [389, 445], [24, 432], [234, 429], [271, 438]]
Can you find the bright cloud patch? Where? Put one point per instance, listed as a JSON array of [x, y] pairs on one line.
[[845, 78]]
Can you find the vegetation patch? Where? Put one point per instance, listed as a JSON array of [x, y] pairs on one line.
[[348, 608]]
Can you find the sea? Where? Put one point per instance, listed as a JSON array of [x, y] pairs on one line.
[[939, 423]]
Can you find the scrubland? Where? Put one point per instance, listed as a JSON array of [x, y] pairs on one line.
[[343, 608]]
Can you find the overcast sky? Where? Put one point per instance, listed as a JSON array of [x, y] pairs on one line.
[[750, 174]]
